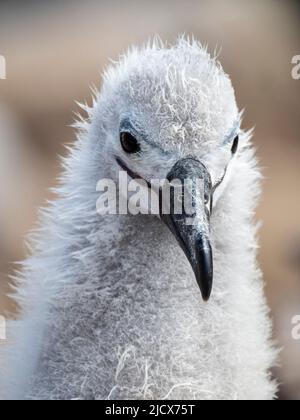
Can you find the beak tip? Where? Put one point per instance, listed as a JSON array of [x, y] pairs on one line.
[[206, 296], [206, 291], [204, 268]]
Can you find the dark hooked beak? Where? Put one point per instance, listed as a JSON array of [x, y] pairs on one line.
[[186, 212]]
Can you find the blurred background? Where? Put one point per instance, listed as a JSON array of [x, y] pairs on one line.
[[55, 50]]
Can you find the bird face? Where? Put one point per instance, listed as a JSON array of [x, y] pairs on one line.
[[170, 113]]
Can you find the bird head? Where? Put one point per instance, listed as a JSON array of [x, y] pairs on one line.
[[170, 113]]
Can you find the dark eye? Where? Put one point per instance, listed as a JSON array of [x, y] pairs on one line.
[[129, 143], [235, 145]]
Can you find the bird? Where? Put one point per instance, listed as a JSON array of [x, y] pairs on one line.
[[148, 306]]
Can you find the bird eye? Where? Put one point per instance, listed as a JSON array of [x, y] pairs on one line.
[[235, 145], [129, 143]]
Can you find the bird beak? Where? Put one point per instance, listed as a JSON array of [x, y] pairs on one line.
[[190, 183]]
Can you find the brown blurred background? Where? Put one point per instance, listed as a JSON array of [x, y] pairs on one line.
[[54, 51]]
